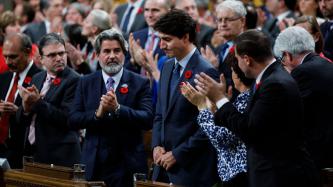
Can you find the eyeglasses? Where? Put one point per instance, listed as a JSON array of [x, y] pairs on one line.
[[228, 20], [53, 55], [10, 57]]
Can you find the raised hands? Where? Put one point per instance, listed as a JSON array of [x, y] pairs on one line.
[[7, 107], [212, 89], [30, 96], [195, 97], [209, 55]]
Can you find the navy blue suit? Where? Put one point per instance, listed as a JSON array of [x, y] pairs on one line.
[[113, 149], [176, 129]]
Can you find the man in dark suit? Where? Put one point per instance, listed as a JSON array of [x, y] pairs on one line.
[[17, 48], [130, 16], [272, 127], [45, 107], [326, 8], [280, 10], [182, 153], [51, 9], [313, 74], [148, 37], [114, 105]]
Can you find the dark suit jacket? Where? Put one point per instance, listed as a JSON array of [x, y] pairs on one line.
[[113, 149], [142, 35], [139, 21], [314, 76], [15, 143], [55, 142], [272, 131], [271, 27], [35, 31], [176, 129], [326, 29]]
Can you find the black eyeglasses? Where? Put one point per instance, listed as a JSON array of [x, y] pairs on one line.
[[10, 57], [228, 20], [53, 55]]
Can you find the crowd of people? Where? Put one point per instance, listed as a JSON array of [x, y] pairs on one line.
[[234, 93]]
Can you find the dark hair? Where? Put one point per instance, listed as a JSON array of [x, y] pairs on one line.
[[290, 4], [251, 16], [51, 38], [177, 23], [240, 74], [74, 34], [28, 11], [254, 43], [315, 28]]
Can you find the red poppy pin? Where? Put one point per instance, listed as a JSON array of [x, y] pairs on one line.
[[188, 74], [232, 49], [123, 89], [27, 80], [140, 10], [56, 81]]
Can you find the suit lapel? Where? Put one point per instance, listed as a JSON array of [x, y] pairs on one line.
[[189, 67], [165, 79], [124, 81]]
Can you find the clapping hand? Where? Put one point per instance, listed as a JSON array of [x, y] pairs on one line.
[[212, 89], [195, 97], [108, 103], [30, 96], [209, 55]]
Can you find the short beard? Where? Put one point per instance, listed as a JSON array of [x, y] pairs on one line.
[[111, 69]]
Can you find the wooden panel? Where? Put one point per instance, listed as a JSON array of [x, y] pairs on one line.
[[152, 184]]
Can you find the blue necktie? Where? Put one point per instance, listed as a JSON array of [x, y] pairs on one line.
[[223, 51], [127, 18], [174, 80], [109, 84]]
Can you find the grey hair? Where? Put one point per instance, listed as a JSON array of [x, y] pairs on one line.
[[294, 40], [101, 19], [236, 6], [166, 4], [111, 34], [81, 8]]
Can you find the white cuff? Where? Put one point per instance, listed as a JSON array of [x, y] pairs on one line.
[[221, 102]]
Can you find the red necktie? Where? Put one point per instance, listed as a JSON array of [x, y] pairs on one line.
[[4, 121], [152, 42]]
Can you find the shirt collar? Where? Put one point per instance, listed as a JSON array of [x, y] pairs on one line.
[[24, 73], [183, 62], [151, 30], [115, 77], [258, 79]]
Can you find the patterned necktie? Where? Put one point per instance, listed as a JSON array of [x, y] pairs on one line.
[[224, 52], [126, 20], [109, 84], [4, 119], [46, 87], [152, 42]]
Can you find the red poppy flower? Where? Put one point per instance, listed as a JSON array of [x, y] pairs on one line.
[[232, 49], [27, 80], [123, 90], [188, 74], [56, 81], [140, 10]]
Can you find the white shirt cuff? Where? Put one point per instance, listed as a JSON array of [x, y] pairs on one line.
[[221, 102]]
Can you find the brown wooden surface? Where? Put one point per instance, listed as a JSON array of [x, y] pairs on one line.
[[49, 170]]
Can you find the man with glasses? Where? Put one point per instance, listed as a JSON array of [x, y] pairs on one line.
[[231, 23], [45, 107], [16, 50]]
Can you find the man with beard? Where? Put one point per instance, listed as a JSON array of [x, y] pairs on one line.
[[45, 107], [16, 50], [114, 105]]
